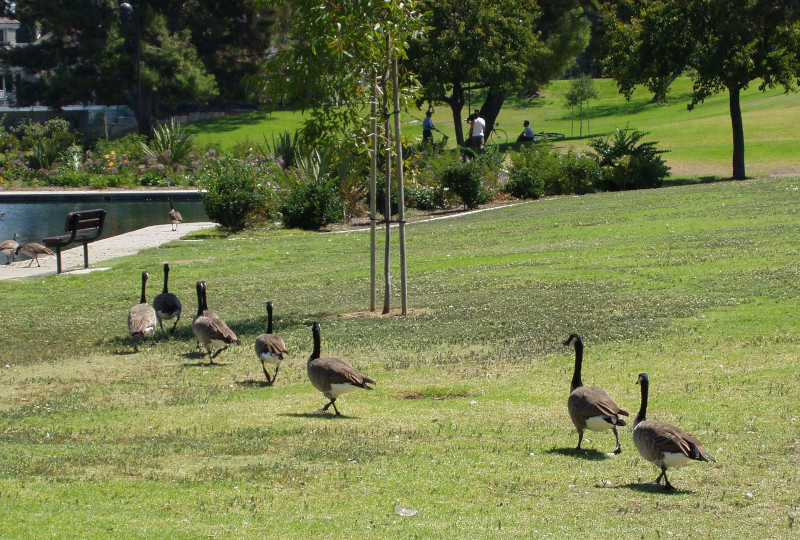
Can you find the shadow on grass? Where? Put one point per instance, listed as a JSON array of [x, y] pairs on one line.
[[651, 487], [322, 416], [230, 123], [591, 455], [252, 383], [672, 182]]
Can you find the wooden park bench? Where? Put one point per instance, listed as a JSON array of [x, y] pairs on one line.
[[83, 226]]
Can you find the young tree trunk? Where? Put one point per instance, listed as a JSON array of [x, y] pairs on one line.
[[401, 218], [580, 117], [738, 133], [373, 192], [387, 213]]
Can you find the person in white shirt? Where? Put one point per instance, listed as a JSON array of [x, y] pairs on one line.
[[478, 127], [527, 133]]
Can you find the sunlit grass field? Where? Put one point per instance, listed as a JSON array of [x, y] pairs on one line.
[[696, 285], [699, 141]]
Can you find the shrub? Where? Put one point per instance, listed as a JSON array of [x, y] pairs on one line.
[[466, 181], [171, 144], [44, 154], [233, 192], [545, 161], [628, 163], [312, 205], [525, 184], [579, 174]]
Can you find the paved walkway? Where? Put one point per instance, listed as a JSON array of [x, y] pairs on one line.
[[102, 250]]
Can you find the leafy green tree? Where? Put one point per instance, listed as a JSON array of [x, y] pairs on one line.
[[495, 45], [726, 45], [581, 90]]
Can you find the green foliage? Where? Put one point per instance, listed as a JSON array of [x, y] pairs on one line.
[[170, 144], [237, 190], [45, 153], [466, 181], [312, 204], [284, 148], [580, 174], [628, 163], [525, 184]]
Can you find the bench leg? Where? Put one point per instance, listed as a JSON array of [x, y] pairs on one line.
[[86, 255], [58, 259]]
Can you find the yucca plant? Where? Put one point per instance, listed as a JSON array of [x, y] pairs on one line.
[[44, 154], [170, 144]]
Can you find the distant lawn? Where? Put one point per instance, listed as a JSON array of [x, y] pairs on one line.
[[699, 141], [696, 285]]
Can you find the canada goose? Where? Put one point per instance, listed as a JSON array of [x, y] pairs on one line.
[[333, 376], [8, 247], [270, 348], [662, 444], [167, 305], [210, 330], [33, 250], [174, 216], [142, 317], [591, 407]]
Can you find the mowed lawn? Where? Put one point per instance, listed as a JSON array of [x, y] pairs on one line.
[[468, 428], [699, 141]]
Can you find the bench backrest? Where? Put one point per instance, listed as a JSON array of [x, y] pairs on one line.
[[82, 220]]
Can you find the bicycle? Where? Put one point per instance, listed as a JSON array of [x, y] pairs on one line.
[[497, 135], [547, 136]]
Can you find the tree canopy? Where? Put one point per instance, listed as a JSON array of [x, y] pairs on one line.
[[725, 45], [496, 45]]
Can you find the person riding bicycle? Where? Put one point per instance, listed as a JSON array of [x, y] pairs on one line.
[[527, 134]]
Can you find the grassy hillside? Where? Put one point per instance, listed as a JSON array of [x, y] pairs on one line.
[[699, 141], [695, 285]]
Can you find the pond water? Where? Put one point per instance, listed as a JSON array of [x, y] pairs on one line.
[[36, 220]]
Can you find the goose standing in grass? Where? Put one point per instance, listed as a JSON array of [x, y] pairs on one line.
[[174, 216], [662, 444], [591, 407], [142, 317], [333, 376], [209, 329], [167, 305], [270, 348], [34, 251], [8, 247]]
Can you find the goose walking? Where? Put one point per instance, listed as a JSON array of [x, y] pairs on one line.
[[174, 216], [591, 407], [142, 318], [333, 376], [270, 348], [662, 444], [167, 304], [8, 247], [209, 329], [34, 251]]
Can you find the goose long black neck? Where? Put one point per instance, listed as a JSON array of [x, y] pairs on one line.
[[644, 382], [199, 288], [317, 339], [166, 277], [576, 375], [143, 299], [205, 296], [269, 317], [171, 206]]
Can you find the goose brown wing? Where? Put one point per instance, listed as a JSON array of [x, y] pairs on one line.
[[140, 317], [587, 402], [338, 371], [216, 329], [671, 438], [272, 344]]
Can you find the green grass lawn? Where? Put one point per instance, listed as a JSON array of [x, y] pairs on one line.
[[699, 141], [696, 285]]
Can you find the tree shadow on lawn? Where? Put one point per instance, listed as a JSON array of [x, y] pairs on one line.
[[591, 455], [230, 123]]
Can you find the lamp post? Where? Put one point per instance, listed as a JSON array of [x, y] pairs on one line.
[[128, 12]]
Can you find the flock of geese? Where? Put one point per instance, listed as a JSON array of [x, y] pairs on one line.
[[331, 376], [592, 408], [12, 249]]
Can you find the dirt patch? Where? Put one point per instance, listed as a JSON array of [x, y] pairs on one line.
[[396, 312]]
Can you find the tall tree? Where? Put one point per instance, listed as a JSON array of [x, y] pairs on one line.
[[725, 45], [495, 45], [87, 54]]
